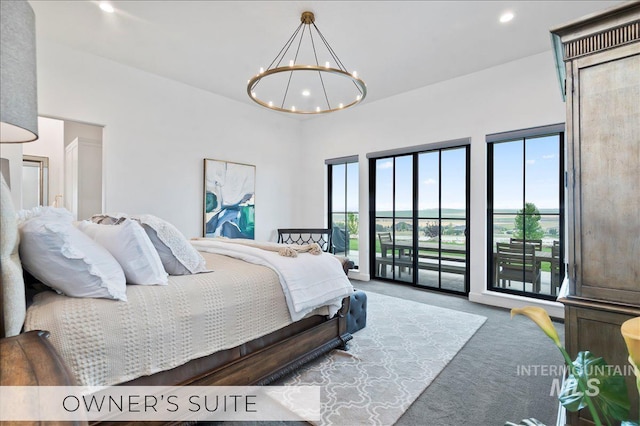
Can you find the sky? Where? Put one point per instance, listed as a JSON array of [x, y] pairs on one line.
[[541, 160], [537, 156], [453, 181]]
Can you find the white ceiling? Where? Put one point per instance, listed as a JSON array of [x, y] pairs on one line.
[[395, 46]]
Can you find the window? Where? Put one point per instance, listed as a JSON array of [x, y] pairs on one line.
[[344, 206], [419, 215], [526, 211]]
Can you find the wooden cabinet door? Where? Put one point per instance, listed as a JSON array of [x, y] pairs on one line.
[[605, 165]]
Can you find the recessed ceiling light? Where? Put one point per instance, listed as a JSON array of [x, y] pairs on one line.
[[305, 93], [506, 17], [107, 7]]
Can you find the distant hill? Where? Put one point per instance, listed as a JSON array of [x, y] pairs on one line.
[[428, 213], [542, 211], [450, 213]]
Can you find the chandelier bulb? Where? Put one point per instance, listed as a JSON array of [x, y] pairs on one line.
[[261, 70], [293, 108], [355, 74], [291, 63], [340, 105], [326, 64]]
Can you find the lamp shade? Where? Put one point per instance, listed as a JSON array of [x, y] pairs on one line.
[[18, 93]]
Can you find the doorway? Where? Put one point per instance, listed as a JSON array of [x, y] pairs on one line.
[[35, 181], [57, 137]]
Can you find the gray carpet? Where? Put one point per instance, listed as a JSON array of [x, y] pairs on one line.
[[482, 384], [388, 365]]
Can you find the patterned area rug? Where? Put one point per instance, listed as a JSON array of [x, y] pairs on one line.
[[390, 362]]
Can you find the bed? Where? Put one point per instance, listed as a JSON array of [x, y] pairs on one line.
[[226, 327]]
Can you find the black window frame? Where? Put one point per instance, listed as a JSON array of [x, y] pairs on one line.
[[523, 135], [337, 162], [415, 152]]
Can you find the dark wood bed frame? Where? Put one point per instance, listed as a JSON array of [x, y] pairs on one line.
[[262, 360], [30, 360]]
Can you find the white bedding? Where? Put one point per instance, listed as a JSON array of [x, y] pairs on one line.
[[106, 342], [308, 280]]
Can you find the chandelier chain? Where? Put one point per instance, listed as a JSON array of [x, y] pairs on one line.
[[285, 48], [286, 91], [282, 51], [330, 49], [334, 55], [315, 54]]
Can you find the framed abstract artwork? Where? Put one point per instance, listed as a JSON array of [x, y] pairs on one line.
[[229, 199]]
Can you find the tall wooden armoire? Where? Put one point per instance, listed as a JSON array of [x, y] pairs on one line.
[[599, 59]]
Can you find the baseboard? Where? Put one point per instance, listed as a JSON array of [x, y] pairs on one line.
[[354, 274], [503, 300]]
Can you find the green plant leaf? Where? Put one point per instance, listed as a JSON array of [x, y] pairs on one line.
[[571, 397], [605, 386], [526, 422]]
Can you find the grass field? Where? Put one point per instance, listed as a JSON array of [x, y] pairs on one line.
[[453, 224]]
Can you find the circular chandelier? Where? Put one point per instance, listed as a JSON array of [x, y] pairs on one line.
[[302, 85]]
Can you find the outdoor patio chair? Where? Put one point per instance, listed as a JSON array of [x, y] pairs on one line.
[[517, 262], [536, 243]]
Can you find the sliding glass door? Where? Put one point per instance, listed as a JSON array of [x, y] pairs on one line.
[[393, 225], [420, 218], [442, 209]]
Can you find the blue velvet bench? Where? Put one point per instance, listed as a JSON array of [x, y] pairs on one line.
[[357, 316]]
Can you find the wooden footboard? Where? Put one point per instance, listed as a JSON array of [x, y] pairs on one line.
[[272, 362], [258, 362], [263, 360]]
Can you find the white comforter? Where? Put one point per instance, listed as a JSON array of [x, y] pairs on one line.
[[106, 342], [308, 280]]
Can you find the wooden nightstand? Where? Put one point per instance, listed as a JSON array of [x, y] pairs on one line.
[[29, 360]]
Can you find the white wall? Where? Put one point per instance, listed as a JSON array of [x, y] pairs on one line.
[[513, 96], [158, 131], [50, 144], [74, 130]]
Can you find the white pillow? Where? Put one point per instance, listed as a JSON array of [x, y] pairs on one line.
[[65, 259], [52, 213], [130, 245], [178, 256]]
